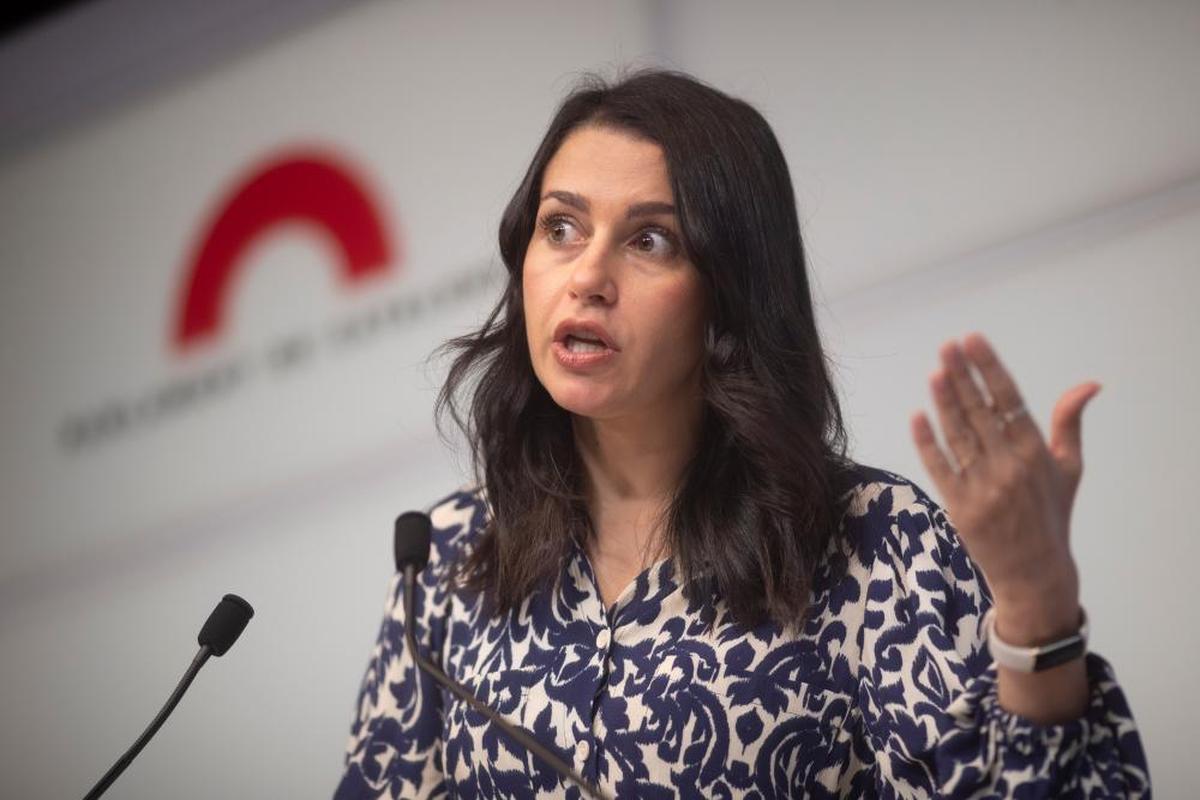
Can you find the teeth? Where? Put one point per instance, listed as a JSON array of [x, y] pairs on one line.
[[584, 346]]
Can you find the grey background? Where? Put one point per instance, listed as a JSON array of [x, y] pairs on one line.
[[1029, 170]]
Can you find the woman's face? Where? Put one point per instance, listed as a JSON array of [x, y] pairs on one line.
[[614, 309]]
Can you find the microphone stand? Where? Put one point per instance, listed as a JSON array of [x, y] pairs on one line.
[[222, 628], [431, 669], [124, 761]]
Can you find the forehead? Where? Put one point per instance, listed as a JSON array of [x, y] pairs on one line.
[[603, 164]]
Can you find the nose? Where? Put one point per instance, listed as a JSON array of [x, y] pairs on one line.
[[591, 278]]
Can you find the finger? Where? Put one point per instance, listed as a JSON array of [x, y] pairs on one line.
[[1000, 385], [1066, 427], [979, 414], [957, 433], [935, 460]]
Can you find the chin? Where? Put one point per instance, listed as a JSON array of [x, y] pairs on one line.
[[585, 401]]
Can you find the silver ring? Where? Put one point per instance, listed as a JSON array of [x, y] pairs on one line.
[[1008, 416]]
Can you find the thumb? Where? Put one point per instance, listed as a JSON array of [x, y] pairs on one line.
[[1066, 428]]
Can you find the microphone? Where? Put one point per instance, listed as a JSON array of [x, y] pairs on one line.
[[222, 628], [225, 624], [412, 554]]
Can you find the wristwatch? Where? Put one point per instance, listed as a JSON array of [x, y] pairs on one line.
[[1035, 659]]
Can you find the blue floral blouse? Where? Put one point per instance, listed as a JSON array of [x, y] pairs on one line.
[[889, 691]]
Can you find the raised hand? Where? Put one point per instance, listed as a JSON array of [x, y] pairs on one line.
[[1008, 493]]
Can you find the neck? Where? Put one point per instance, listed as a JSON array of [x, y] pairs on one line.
[[633, 468]]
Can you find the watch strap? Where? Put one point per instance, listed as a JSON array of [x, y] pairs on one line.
[[1035, 659]]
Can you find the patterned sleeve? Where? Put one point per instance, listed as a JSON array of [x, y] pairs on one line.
[[929, 704], [395, 741]]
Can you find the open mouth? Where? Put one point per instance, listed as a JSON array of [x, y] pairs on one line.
[[583, 350], [583, 344]]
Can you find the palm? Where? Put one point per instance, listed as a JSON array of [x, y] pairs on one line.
[[1008, 492]]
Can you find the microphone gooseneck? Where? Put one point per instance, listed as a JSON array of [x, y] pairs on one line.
[[412, 554], [220, 631]]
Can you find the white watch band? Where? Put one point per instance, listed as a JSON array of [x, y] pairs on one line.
[[1035, 659]]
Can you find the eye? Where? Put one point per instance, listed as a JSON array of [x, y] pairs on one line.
[[557, 228], [647, 238]]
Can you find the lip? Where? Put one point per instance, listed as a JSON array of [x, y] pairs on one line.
[[579, 361], [593, 329]]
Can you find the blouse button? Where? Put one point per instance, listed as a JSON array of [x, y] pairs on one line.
[[602, 639], [582, 749]]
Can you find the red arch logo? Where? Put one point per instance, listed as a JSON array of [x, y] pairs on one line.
[[304, 186]]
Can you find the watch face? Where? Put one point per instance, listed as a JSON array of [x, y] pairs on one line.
[[1059, 655]]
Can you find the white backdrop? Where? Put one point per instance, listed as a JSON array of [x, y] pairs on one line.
[[1031, 172]]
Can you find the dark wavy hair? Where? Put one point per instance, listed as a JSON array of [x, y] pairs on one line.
[[758, 503]]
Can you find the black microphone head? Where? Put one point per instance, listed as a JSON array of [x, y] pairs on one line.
[[413, 531], [225, 624]]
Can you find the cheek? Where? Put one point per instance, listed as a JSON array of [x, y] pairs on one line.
[[680, 314], [537, 302], [691, 307], [532, 291]]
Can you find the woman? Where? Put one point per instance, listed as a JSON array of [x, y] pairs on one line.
[[671, 573]]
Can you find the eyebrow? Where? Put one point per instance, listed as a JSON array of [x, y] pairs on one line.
[[636, 210]]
